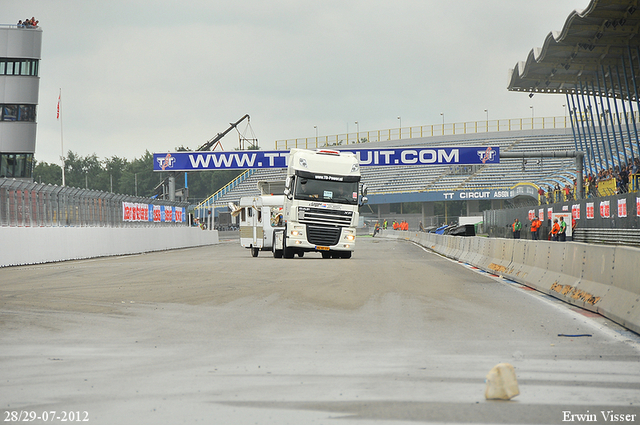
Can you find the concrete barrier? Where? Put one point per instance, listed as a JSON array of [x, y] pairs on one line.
[[626, 278], [499, 256], [555, 267], [538, 257], [518, 270], [600, 278], [35, 245]]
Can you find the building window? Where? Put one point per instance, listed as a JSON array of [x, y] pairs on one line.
[[16, 165], [28, 67], [18, 113]]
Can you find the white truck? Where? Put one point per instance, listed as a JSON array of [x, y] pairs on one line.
[[322, 197], [259, 217]]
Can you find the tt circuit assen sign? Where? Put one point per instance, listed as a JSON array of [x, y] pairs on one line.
[[203, 161]]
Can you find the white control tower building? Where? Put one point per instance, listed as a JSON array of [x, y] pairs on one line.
[[20, 48]]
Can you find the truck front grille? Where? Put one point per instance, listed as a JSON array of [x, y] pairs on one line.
[[323, 235], [324, 217]]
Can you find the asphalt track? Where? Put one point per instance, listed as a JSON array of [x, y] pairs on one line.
[[210, 335]]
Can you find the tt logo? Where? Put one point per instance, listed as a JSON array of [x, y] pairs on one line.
[[487, 155], [166, 162]]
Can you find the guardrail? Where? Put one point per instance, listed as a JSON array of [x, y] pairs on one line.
[[608, 236], [29, 204], [209, 203]]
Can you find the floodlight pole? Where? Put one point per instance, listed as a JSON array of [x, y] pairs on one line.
[[578, 155]]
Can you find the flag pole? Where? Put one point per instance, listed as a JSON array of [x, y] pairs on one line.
[[61, 139]]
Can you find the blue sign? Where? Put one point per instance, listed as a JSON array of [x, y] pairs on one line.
[[241, 160]]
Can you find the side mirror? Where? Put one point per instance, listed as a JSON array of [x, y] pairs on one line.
[[364, 189], [288, 186], [363, 201], [288, 183]]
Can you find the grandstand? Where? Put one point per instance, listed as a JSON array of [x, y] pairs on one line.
[[420, 183]]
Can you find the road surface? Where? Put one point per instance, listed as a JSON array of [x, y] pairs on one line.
[[396, 334]]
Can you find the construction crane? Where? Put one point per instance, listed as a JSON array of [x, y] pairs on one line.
[[167, 186], [215, 142]]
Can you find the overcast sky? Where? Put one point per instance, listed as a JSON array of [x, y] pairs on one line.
[[153, 75]]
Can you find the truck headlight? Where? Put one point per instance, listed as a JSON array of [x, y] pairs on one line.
[[350, 237], [296, 233]]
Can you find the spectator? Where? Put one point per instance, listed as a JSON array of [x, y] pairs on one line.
[[541, 197], [28, 23], [557, 193], [562, 232], [624, 180], [516, 228], [635, 175]]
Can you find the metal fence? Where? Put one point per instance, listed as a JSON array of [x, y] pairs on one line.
[[611, 219], [28, 204], [444, 129]]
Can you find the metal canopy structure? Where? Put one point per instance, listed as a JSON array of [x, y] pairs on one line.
[[603, 35], [595, 62]]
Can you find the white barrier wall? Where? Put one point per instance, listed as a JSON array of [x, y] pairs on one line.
[[34, 245], [601, 278]]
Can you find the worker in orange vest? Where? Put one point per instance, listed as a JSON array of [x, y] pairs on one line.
[[535, 227], [554, 230]]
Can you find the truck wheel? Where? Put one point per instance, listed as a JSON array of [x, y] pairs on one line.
[[254, 252], [287, 252], [300, 254], [346, 254]]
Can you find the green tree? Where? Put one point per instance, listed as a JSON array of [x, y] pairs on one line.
[[138, 176], [129, 177], [84, 172], [112, 172], [46, 173]]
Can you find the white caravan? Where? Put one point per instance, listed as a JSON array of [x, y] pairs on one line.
[[259, 216], [321, 204]]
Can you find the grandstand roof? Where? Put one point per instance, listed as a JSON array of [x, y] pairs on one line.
[[604, 34]]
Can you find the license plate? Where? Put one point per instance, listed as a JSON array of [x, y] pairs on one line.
[[322, 248]]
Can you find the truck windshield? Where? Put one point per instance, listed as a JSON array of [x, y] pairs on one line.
[[314, 189]]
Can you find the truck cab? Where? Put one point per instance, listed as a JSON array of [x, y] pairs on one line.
[[322, 197]]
